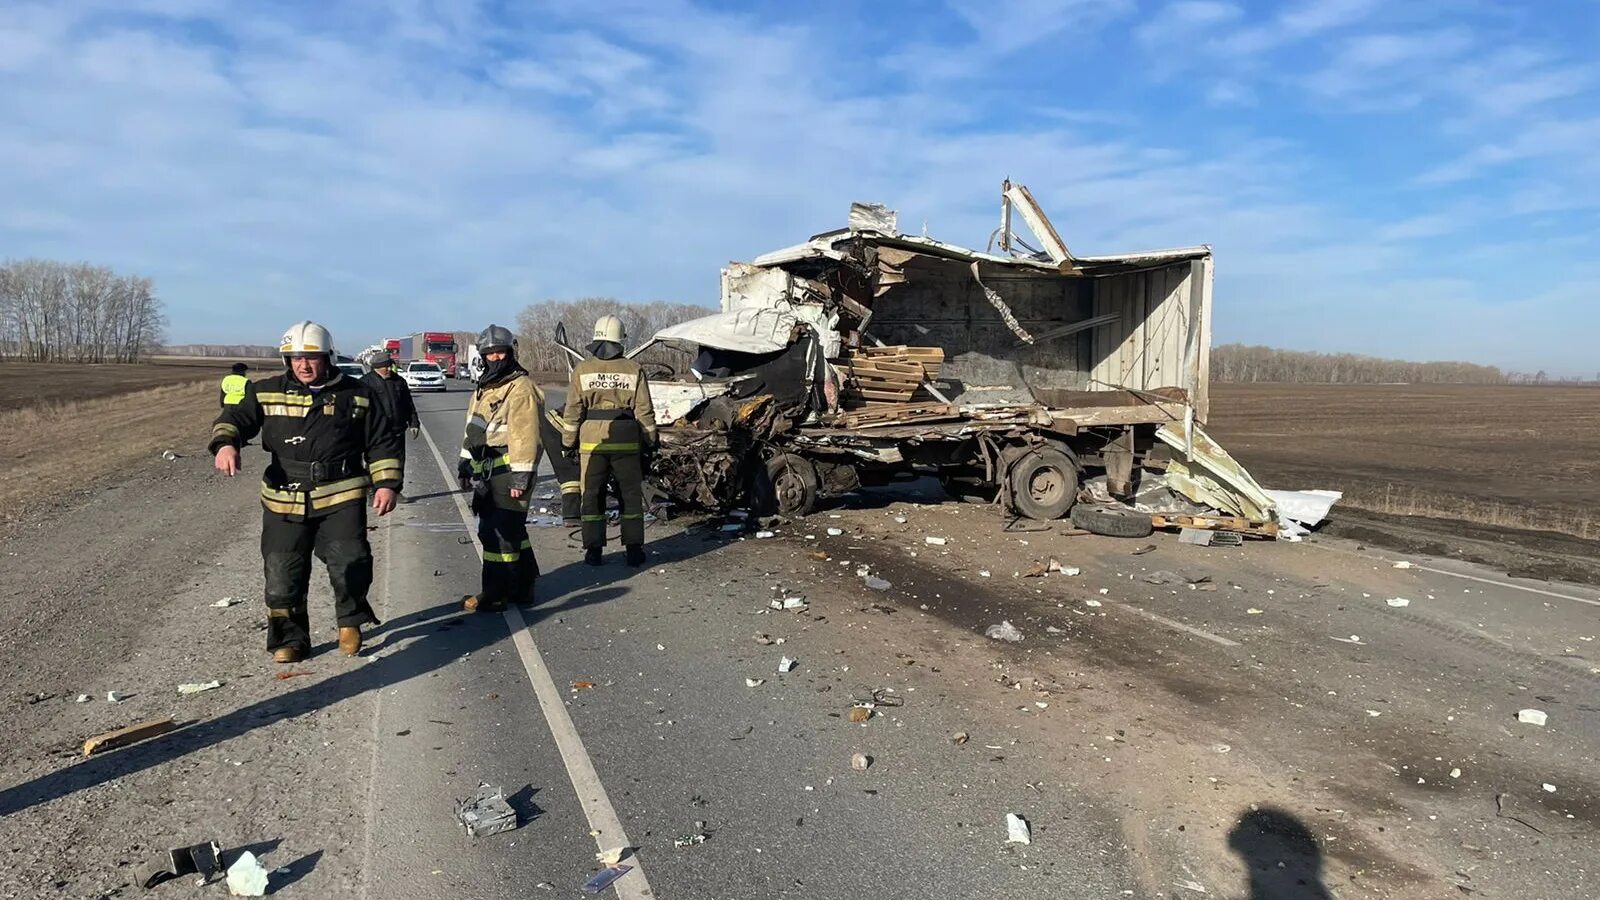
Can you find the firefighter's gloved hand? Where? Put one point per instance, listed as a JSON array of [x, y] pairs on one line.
[[464, 474], [415, 432], [571, 453]]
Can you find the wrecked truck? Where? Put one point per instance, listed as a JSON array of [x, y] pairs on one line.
[[1052, 371]]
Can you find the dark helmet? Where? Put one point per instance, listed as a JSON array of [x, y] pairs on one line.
[[496, 338], [240, 368]]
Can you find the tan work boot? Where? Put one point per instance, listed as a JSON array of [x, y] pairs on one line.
[[349, 640], [469, 602], [288, 655]]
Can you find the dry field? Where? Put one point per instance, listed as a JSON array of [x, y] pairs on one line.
[[31, 384], [1523, 457]]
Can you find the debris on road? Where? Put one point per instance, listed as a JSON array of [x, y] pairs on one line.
[[1017, 830], [1402, 564], [786, 665], [122, 737], [1352, 639], [754, 682], [603, 878], [285, 676], [113, 696], [609, 858], [1140, 551], [1094, 603], [199, 687], [83, 698], [689, 840], [582, 685], [959, 738], [1531, 716], [204, 860], [1005, 631], [1200, 537], [169, 456], [860, 714], [835, 532], [875, 583], [247, 877], [226, 602], [486, 812], [765, 534], [1455, 773], [1549, 788], [860, 762], [935, 541]]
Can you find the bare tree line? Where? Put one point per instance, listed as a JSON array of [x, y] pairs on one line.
[[536, 328], [223, 351], [75, 312], [1244, 363]]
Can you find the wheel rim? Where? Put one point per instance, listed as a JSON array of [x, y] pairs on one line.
[[790, 488], [1047, 485]]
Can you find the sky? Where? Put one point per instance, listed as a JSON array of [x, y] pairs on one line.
[[1416, 180]]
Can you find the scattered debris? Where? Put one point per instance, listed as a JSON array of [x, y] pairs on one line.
[[198, 687], [689, 840], [1549, 788], [786, 665], [835, 532], [226, 602], [204, 860], [733, 526], [582, 685], [765, 534], [818, 555], [486, 812], [861, 762], [935, 541], [122, 737], [169, 456], [611, 857], [1531, 716], [1162, 576], [113, 697], [1200, 537], [1222, 748], [247, 877], [1402, 564], [1094, 603], [1017, 830], [83, 698], [1398, 602], [1005, 631], [1252, 611], [860, 714], [959, 738], [285, 676], [754, 682], [983, 573], [1352, 639], [1455, 773], [877, 584], [603, 878], [1140, 551]]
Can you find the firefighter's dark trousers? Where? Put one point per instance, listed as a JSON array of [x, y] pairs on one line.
[[509, 569], [339, 539], [595, 467], [565, 470]]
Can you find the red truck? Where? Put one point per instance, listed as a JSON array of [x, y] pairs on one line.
[[438, 347]]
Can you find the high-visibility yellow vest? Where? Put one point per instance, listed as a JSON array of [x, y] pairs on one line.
[[233, 387]]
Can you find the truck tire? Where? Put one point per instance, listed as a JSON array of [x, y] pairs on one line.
[[1043, 483], [1112, 521], [790, 487]]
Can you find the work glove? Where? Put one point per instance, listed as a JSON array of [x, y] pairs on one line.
[[416, 431], [464, 474]]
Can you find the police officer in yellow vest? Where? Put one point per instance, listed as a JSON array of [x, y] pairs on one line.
[[610, 424], [233, 384]]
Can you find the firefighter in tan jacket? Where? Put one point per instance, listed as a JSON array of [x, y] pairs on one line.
[[499, 462], [610, 424]]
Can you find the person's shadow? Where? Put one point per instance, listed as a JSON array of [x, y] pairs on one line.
[[1280, 854]]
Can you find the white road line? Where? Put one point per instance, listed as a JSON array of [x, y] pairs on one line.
[[1519, 587], [580, 768], [1197, 632]]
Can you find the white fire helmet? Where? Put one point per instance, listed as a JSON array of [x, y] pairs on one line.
[[305, 338], [608, 328]]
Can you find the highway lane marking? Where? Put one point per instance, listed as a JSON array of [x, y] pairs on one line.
[[585, 780], [1171, 623], [1519, 587]]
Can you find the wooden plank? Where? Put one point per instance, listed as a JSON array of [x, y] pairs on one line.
[[872, 394], [1215, 523], [122, 737], [1133, 414]]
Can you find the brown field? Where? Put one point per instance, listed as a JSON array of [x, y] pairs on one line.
[[31, 384], [1521, 457]]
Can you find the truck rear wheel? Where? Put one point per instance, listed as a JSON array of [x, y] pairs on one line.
[[792, 483], [1043, 483]]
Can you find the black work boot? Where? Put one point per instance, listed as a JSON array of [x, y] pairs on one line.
[[635, 555], [592, 556]]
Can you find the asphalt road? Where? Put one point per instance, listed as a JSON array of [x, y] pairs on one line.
[[1162, 740]]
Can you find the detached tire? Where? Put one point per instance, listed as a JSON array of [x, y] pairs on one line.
[[1043, 484], [1112, 521], [791, 486]]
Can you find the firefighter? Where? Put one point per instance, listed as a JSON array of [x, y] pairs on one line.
[[499, 461], [332, 446], [610, 425], [233, 385], [564, 467]]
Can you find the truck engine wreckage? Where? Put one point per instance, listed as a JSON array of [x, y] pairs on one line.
[[1039, 380]]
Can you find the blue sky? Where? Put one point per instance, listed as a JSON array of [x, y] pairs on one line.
[[1410, 179]]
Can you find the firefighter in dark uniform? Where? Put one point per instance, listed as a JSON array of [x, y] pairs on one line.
[[332, 446], [565, 467], [233, 385], [610, 425], [499, 461]]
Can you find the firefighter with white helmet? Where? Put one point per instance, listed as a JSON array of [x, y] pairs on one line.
[[610, 424], [332, 446]]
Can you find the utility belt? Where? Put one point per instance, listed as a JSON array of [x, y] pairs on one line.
[[320, 471], [607, 415]]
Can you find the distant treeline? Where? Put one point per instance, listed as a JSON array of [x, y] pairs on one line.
[[76, 312], [241, 351], [1243, 363], [536, 328]]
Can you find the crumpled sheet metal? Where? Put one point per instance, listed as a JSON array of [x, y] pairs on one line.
[[1212, 477]]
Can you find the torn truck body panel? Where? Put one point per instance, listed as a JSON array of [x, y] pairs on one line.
[[887, 355]]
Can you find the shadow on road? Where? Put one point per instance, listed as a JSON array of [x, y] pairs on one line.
[[1280, 854], [422, 642]]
